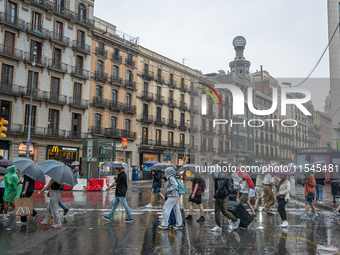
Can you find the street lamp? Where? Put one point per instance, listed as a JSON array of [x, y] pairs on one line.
[[186, 147], [30, 112]]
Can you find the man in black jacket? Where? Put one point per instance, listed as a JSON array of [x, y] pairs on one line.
[[156, 186], [223, 185]]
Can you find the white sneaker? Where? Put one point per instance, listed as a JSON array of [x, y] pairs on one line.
[[237, 223], [21, 223], [216, 228], [284, 224], [148, 206]]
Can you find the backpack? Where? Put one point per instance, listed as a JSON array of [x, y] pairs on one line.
[[181, 189], [203, 187]]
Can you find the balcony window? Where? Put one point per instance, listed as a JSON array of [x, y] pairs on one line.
[[81, 38], [182, 140], [100, 66], [127, 125], [9, 42], [5, 110], [35, 83], [182, 83], [56, 58], [82, 13], [97, 123], [129, 58], [7, 77], [146, 68], [55, 88], [101, 47], [145, 111], [171, 96], [59, 5], [38, 50], [77, 89], [128, 101], [27, 112], [116, 54], [159, 74], [145, 135], [12, 11], [128, 75], [58, 30], [159, 113], [158, 136], [113, 123], [171, 79], [53, 122], [79, 64], [114, 96], [159, 92], [115, 72], [99, 93], [171, 138], [171, 116], [76, 125], [182, 119], [37, 22]]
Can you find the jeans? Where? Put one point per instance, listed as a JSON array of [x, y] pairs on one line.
[[221, 205], [319, 191], [122, 200], [60, 203], [281, 208], [24, 218]]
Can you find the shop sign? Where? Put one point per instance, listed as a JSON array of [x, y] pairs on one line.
[[55, 149], [124, 143], [69, 149]]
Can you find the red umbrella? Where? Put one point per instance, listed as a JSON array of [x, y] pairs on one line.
[[246, 176]]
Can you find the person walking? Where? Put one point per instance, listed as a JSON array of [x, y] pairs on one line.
[[283, 198], [196, 197], [258, 189], [12, 190], [320, 181], [309, 187], [223, 186], [156, 186], [2, 191], [27, 191], [121, 190], [172, 201], [269, 199], [243, 194], [65, 209], [52, 208]]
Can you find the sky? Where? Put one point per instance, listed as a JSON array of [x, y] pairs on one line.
[[287, 37]]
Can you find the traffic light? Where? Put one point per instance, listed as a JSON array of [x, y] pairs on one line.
[[2, 128]]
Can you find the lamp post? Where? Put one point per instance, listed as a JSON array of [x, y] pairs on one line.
[[30, 112], [186, 147]]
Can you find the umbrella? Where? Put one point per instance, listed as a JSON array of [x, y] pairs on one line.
[[161, 166], [246, 176], [75, 163], [115, 164], [5, 162], [150, 163], [190, 167], [59, 172], [3, 170], [279, 170], [29, 168]]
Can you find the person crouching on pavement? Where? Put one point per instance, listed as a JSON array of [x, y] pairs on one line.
[[172, 201], [243, 192], [283, 197], [269, 199], [121, 189], [196, 197], [156, 186], [223, 185], [309, 186]]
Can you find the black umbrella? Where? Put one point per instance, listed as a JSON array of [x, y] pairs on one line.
[[59, 172], [29, 168], [3, 170], [162, 166]]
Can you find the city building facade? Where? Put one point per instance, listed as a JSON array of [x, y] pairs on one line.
[[326, 131], [59, 33]]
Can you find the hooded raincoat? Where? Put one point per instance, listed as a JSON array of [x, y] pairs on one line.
[[12, 189], [171, 184]]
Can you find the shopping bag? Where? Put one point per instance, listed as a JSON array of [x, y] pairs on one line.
[[23, 206]]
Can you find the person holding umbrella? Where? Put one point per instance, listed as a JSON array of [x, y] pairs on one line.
[[283, 197], [244, 191], [3, 171]]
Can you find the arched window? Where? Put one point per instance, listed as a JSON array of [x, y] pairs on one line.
[[97, 123], [114, 96], [100, 66], [128, 100], [113, 123], [99, 93], [128, 75], [82, 13], [115, 72]]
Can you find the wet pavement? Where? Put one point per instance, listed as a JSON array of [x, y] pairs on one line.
[[85, 232]]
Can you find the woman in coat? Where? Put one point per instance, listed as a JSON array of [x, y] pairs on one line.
[[283, 197]]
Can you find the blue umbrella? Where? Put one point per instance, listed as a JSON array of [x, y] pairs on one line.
[[150, 163], [59, 172], [29, 168]]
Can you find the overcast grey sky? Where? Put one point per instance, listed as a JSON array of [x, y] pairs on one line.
[[287, 37]]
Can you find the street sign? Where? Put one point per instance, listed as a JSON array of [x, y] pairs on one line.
[[89, 150], [167, 156], [29, 142], [124, 143]]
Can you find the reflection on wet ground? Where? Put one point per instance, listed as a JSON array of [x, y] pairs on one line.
[[85, 232]]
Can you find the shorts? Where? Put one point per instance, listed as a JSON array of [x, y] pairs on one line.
[[259, 192], [243, 197], [156, 190], [197, 200], [308, 200], [252, 192]]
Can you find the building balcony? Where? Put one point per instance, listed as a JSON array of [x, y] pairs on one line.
[[130, 63], [57, 66], [222, 152], [159, 79], [204, 130], [39, 60], [11, 89], [193, 128], [80, 72], [193, 91], [147, 96], [193, 147], [130, 85], [97, 131], [78, 103], [193, 109], [57, 98], [116, 59], [116, 81], [100, 102], [172, 124], [146, 119], [146, 142], [37, 94], [173, 85], [11, 52], [160, 121], [159, 99], [100, 76], [76, 135], [82, 47], [115, 106], [60, 39], [129, 134], [37, 30], [172, 103], [113, 132], [37, 131], [129, 109], [183, 126], [183, 106], [184, 88], [12, 21], [101, 52], [146, 74], [159, 143]]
